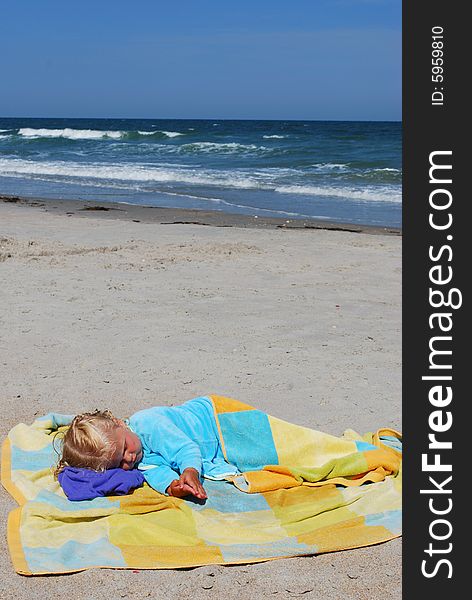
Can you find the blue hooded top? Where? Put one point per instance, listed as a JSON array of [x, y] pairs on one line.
[[177, 437]]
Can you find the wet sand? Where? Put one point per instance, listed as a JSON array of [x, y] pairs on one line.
[[176, 216]]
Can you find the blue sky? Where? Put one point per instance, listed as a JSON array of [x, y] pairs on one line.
[[254, 59]]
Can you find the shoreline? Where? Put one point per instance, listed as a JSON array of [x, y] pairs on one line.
[[179, 216]]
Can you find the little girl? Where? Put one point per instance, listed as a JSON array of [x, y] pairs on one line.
[[172, 446]]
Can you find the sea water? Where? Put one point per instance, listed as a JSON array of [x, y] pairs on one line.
[[330, 170]]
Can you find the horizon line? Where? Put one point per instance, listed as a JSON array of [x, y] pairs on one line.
[[212, 119]]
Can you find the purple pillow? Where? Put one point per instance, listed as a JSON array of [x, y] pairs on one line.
[[86, 484]]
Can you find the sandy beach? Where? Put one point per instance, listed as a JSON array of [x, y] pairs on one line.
[[131, 307]]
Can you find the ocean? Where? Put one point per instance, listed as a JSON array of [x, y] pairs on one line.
[[331, 170]]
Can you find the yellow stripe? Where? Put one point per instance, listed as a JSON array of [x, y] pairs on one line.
[[30, 438], [14, 543], [168, 557], [301, 446], [6, 474], [224, 404]]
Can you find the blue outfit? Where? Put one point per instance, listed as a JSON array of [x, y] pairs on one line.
[[178, 437]]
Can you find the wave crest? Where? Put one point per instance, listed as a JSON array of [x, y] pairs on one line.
[[131, 174], [221, 147], [92, 134], [371, 194], [68, 133]]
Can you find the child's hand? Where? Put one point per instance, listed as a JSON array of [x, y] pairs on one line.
[[189, 483], [175, 489], [190, 479]]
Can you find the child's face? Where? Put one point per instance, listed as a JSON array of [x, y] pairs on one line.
[[129, 449]]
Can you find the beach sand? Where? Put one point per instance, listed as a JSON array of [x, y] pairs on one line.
[[126, 309]]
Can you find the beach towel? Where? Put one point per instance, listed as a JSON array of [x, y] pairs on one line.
[[301, 492]]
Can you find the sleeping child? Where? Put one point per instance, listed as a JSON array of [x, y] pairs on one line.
[[171, 448]]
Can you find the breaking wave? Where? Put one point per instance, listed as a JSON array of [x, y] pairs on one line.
[[133, 173], [91, 134]]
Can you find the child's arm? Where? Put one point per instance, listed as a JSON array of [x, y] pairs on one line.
[[164, 440], [160, 477], [177, 448], [173, 452]]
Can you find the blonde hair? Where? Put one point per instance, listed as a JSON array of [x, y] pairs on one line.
[[89, 442]]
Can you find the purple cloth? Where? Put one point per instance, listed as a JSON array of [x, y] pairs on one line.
[[85, 484]]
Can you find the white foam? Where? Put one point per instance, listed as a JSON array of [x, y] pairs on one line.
[[124, 172], [131, 174], [71, 134], [253, 209], [245, 206], [274, 137], [256, 209], [330, 166], [372, 194], [229, 147], [171, 134]]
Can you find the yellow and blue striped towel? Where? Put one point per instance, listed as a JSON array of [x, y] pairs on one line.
[[301, 492]]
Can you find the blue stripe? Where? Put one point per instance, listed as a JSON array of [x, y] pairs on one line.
[[248, 439], [390, 519], [361, 446], [73, 556], [64, 504], [393, 442], [33, 460], [56, 419], [225, 498]]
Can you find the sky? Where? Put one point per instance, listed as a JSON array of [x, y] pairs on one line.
[[215, 59]]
